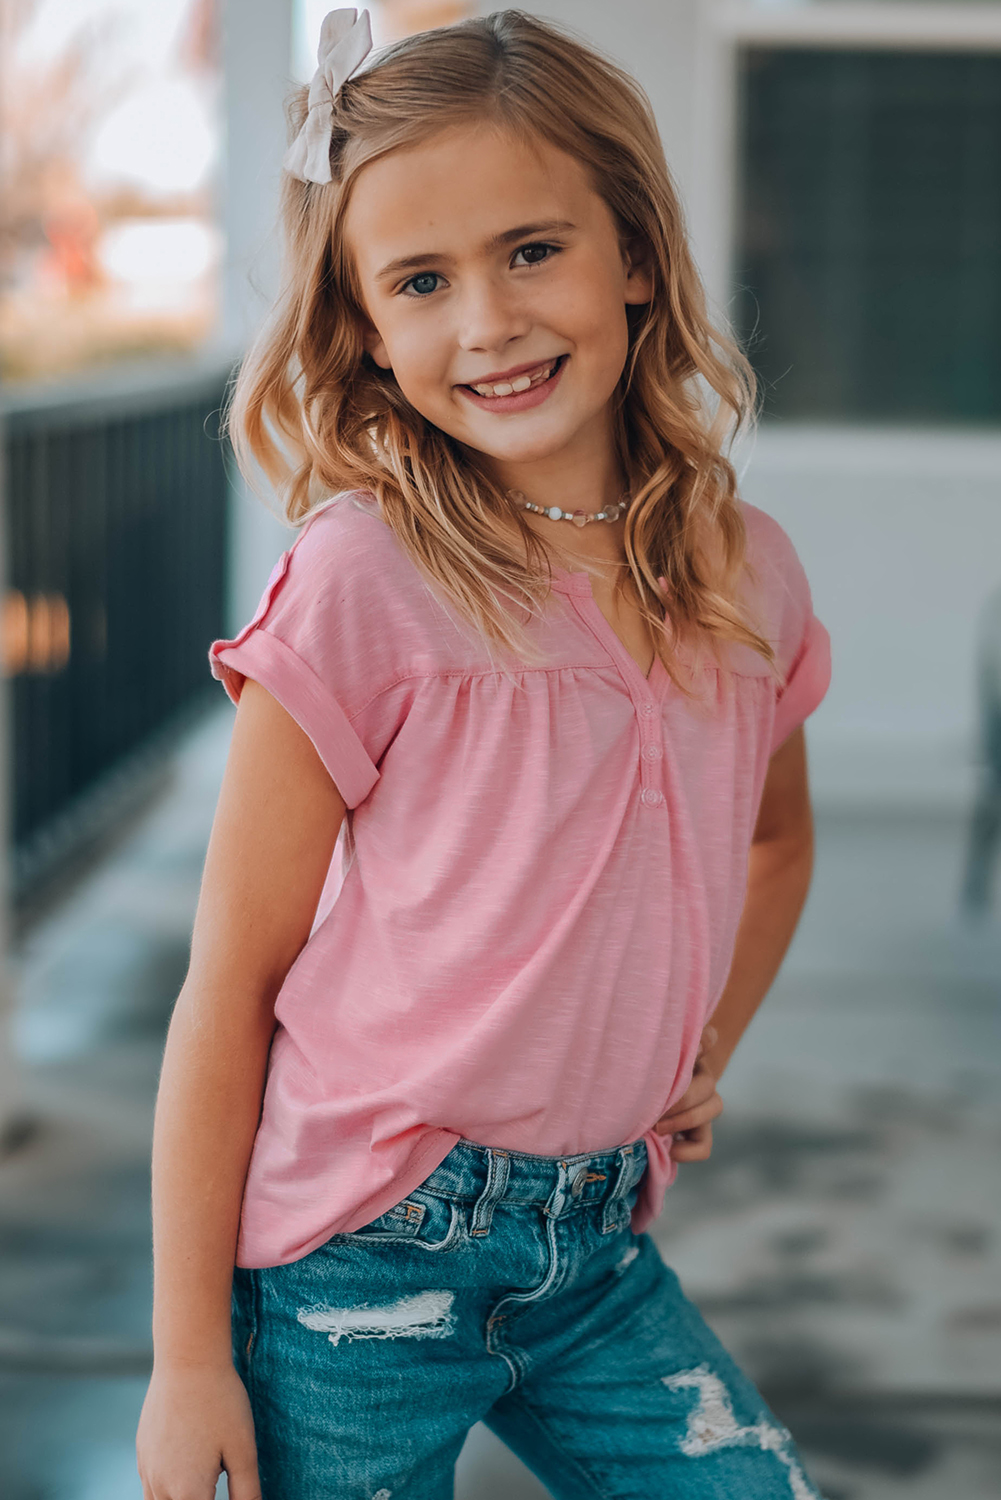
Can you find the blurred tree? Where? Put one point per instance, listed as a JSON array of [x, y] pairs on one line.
[[403, 17], [48, 112], [108, 135]]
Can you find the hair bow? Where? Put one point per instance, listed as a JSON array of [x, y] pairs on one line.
[[345, 42]]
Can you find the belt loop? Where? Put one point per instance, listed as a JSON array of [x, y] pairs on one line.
[[610, 1217], [498, 1170]]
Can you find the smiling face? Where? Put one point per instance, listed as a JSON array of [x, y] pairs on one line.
[[495, 286]]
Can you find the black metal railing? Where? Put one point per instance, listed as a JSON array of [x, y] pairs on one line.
[[115, 539]]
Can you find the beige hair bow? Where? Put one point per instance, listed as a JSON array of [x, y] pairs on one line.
[[345, 42]]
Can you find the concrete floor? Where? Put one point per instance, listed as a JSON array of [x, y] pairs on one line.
[[844, 1239]]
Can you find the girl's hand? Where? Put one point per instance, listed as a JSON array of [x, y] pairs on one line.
[[690, 1118], [194, 1424]]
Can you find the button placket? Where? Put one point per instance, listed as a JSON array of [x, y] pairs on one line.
[[651, 729], [651, 753]]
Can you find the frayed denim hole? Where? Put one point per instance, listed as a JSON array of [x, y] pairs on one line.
[[626, 1259], [712, 1426], [426, 1315]]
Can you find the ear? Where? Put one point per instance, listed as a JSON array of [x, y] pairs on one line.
[[637, 261], [373, 344]]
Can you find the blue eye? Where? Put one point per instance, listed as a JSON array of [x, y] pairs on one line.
[[423, 284]]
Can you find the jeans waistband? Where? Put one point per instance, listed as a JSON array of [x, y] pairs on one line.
[[484, 1175]]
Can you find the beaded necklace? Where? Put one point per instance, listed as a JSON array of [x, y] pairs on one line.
[[579, 518]]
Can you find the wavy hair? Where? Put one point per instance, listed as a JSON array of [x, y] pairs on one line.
[[312, 409]]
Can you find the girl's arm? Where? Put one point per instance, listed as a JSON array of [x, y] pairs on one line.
[[272, 838], [779, 871]]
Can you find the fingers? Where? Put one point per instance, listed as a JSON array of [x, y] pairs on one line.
[[701, 1069], [242, 1478], [701, 1088], [695, 1145], [242, 1481], [700, 1092], [690, 1119], [244, 1484], [186, 1490]]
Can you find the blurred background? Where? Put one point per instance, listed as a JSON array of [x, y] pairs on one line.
[[840, 164]]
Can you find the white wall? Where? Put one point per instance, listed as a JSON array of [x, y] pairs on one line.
[[900, 535]]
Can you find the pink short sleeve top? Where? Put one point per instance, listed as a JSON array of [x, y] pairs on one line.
[[532, 906]]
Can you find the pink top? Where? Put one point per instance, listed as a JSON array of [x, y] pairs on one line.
[[533, 905]]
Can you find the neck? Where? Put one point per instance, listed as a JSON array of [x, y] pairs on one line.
[[587, 477], [584, 474]]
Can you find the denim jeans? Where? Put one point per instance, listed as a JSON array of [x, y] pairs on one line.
[[509, 1289]]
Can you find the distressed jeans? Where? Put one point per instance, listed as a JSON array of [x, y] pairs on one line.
[[509, 1289]]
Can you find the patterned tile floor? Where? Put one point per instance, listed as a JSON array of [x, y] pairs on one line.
[[845, 1238]]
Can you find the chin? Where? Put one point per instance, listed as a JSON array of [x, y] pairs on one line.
[[525, 451]]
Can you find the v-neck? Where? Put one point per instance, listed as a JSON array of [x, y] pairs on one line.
[[578, 586]]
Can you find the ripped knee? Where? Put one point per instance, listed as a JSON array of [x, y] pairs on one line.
[[712, 1425]]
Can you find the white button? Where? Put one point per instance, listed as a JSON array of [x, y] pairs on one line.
[[646, 708], [652, 797], [652, 752]]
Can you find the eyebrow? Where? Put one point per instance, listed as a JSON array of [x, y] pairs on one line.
[[496, 242]]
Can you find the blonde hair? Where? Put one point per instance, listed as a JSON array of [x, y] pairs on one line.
[[312, 408]]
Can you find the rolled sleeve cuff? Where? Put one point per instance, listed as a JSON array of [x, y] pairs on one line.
[[286, 676], [808, 681]]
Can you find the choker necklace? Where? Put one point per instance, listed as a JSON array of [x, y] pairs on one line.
[[578, 517]]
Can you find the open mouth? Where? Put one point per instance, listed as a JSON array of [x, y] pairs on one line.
[[527, 382]]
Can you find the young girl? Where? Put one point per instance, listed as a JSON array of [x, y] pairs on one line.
[[540, 676]]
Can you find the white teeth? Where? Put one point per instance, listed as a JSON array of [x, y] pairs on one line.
[[512, 387]]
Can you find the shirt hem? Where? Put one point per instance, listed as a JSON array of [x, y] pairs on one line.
[[420, 1167]]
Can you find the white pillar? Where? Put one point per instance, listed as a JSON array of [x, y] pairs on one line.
[[257, 59]]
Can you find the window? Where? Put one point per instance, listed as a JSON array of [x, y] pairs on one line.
[[869, 233]]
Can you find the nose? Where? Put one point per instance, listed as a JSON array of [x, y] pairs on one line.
[[491, 316]]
